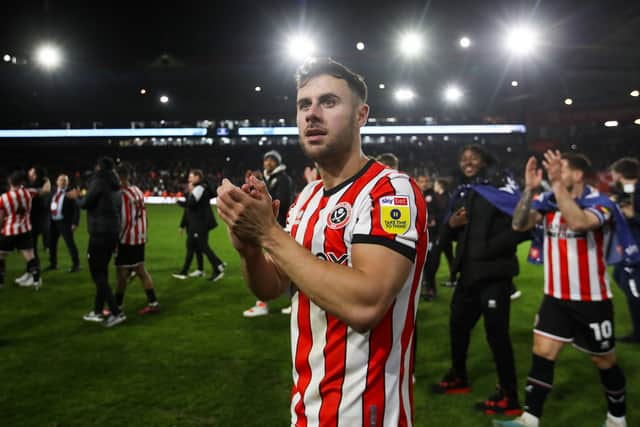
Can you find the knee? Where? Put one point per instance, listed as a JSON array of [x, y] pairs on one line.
[[605, 361]]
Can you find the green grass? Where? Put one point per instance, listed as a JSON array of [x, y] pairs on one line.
[[200, 363]]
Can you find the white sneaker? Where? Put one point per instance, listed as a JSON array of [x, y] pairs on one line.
[[114, 320], [31, 283], [196, 273], [285, 310], [612, 421], [179, 276], [23, 278], [260, 309], [524, 420], [514, 296], [92, 316]]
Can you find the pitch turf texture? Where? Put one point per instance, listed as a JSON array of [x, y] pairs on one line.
[[200, 363]]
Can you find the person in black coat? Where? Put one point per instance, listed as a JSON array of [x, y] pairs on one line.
[[486, 263], [198, 220], [39, 217], [64, 216], [102, 203]]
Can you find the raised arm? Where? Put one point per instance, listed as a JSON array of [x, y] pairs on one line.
[[525, 218]]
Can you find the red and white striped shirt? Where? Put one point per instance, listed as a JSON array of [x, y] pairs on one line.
[[343, 377], [133, 217], [15, 206], [575, 268]]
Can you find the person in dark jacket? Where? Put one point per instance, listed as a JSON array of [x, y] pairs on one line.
[[102, 203], [39, 216], [486, 263], [198, 220], [64, 219], [280, 187]]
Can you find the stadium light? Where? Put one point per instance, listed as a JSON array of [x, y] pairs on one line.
[[7, 58], [164, 99], [568, 101], [465, 42], [411, 45], [452, 94], [635, 93], [143, 91], [637, 121], [48, 56], [404, 95], [381, 86], [514, 83], [360, 46], [611, 123], [300, 47], [258, 89], [521, 40]]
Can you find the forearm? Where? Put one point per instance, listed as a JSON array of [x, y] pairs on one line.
[[347, 293], [522, 214], [576, 218], [262, 276]]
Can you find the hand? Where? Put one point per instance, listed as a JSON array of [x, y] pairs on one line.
[[310, 174], [553, 164], [627, 210], [190, 187], [532, 175], [248, 213], [250, 190], [459, 218]]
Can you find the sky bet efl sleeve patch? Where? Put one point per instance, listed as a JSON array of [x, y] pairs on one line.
[[395, 215]]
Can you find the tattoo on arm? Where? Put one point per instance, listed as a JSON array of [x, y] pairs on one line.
[[521, 213]]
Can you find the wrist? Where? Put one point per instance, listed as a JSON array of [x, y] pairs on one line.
[[271, 237]]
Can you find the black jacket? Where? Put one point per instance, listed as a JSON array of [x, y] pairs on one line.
[[197, 215], [102, 203], [70, 211], [280, 187], [486, 249]]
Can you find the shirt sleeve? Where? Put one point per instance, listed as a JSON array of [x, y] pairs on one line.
[[394, 215], [602, 212]]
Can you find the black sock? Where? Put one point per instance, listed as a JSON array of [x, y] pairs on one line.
[[151, 295], [3, 264], [119, 298], [613, 381], [539, 384], [33, 267]]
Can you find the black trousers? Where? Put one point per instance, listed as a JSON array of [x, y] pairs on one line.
[[40, 227], [57, 229], [491, 300], [436, 249], [101, 248], [198, 243], [629, 282]]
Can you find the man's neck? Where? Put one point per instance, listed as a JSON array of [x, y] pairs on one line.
[[336, 172], [577, 190]]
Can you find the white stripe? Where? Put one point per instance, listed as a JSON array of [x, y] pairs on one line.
[[295, 333], [7, 214], [306, 216], [573, 263], [555, 248], [606, 242], [554, 337], [545, 258], [592, 255], [355, 379]]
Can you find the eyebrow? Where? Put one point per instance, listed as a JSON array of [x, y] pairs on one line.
[[324, 97]]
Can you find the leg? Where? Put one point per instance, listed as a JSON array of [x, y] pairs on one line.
[[199, 260], [67, 235], [122, 277], [53, 245], [203, 242], [147, 283], [613, 381], [102, 249], [3, 266], [465, 312], [629, 282]]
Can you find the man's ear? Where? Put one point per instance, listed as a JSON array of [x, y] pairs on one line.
[[362, 114]]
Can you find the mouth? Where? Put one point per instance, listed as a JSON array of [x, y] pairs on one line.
[[315, 134]]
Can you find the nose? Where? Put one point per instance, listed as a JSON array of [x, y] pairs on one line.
[[313, 113]]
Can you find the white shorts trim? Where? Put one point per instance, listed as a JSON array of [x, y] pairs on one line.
[[130, 265], [553, 337], [593, 353]]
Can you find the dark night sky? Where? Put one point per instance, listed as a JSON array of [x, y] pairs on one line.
[[223, 49]]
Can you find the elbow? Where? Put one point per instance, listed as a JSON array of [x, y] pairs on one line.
[[367, 318]]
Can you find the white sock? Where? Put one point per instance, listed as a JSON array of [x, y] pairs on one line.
[[530, 420], [617, 420]]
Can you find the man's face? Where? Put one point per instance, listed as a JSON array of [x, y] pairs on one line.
[[471, 163], [193, 179], [570, 177], [269, 164], [424, 183], [328, 116], [62, 181], [32, 175]]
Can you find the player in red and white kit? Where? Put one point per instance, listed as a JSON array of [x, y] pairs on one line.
[[577, 307], [15, 231], [352, 252], [133, 237]]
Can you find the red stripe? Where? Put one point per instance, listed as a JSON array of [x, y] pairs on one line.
[[305, 339], [599, 238], [583, 267], [294, 228], [127, 220], [550, 240], [12, 214], [564, 269], [380, 344]]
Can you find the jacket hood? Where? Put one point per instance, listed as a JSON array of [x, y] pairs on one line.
[[277, 170], [110, 178]]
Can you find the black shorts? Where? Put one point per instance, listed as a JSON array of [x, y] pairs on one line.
[[21, 242], [587, 325], [129, 255]]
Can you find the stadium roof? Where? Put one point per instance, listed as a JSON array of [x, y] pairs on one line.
[[208, 57]]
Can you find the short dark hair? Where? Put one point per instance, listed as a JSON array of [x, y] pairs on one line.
[[389, 159], [124, 171], [487, 158], [106, 163], [198, 173], [17, 178], [578, 161], [314, 67], [628, 167]]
